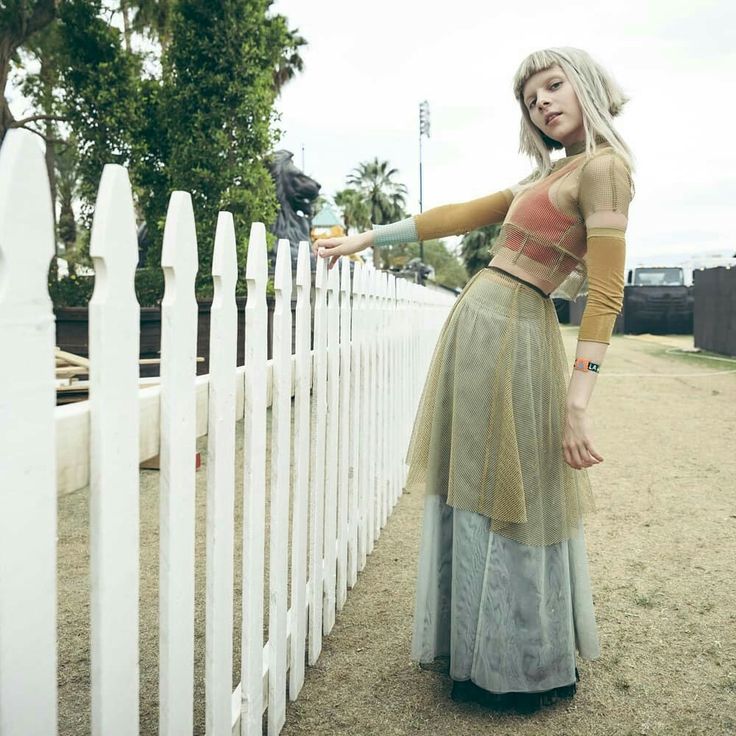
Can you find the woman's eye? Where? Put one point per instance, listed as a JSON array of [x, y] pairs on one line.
[[556, 84]]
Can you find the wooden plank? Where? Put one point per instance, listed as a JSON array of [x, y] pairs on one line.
[[28, 487], [331, 459], [179, 314], [363, 470], [280, 476], [317, 476], [300, 519], [113, 349], [254, 484], [72, 358], [221, 482], [354, 522], [372, 408], [343, 448]]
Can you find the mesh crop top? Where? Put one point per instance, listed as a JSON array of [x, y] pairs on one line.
[[564, 229]]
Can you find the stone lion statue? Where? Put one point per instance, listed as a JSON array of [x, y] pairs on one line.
[[296, 192]]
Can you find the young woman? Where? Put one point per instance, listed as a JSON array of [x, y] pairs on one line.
[[501, 441]]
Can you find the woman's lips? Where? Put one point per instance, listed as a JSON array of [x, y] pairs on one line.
[[553, 118]]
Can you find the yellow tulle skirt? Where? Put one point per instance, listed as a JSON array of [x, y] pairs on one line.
[[488, 429]]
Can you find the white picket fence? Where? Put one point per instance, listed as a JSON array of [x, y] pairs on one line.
[[372, 343]]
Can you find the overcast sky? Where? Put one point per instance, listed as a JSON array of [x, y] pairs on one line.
[[369, 64]]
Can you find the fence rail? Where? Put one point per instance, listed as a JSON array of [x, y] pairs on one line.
[[337, 475]]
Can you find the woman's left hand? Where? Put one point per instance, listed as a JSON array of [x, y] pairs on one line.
[[577, 443]]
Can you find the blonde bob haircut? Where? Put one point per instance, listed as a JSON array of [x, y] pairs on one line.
[[600, 98]]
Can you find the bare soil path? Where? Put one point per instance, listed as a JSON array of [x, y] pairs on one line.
[[662, 551]]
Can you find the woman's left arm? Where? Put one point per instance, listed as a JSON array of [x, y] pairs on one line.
[[605, 194]]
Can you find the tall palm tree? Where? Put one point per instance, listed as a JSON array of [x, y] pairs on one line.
[[354, 208], [290, 62], [386, 198]]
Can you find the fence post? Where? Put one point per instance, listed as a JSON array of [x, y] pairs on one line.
[[302, 381], [114, 335], [221, 481], [279, 495], [27, 444], [254, 484]]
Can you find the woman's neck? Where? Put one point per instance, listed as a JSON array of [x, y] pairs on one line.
[[579, 146]]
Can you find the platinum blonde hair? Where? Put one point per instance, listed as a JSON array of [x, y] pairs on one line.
[[600, 98]]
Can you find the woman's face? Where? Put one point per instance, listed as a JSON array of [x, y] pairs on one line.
[[549, 92]]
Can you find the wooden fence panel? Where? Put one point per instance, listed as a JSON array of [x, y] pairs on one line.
[[365, 372]]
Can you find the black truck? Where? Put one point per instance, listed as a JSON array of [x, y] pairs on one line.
[[657, 300]]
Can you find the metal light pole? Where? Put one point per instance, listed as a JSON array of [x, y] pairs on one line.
[[423, 130]]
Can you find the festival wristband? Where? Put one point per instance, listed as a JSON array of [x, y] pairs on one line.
[[583, 364]]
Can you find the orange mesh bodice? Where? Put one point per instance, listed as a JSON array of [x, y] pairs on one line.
[[543, 239]]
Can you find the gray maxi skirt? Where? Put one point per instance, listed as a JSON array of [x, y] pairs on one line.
[[506, 615]]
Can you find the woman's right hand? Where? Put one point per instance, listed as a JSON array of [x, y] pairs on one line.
[[333, 248]]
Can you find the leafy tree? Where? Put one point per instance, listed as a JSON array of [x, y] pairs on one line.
[[19, 20], [101, 97], [216, 93], [475, 247], [448, 269], [217, 111]]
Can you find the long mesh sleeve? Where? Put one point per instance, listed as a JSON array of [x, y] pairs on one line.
[[447, 219], [604, 197], [457, 219]]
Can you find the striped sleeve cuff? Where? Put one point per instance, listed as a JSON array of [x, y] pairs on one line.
[[403, 231]]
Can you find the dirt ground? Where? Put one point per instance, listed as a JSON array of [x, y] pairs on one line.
[[662, 551]]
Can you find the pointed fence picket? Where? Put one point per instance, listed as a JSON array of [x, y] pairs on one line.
[[221, 482], [114, 334], [27, 444], [336, 470], [177, 477]]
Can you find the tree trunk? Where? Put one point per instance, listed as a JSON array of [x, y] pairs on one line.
[[6, 117], [11, 39], [127, 31]]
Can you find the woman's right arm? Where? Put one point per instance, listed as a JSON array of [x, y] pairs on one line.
[[438, 222]]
